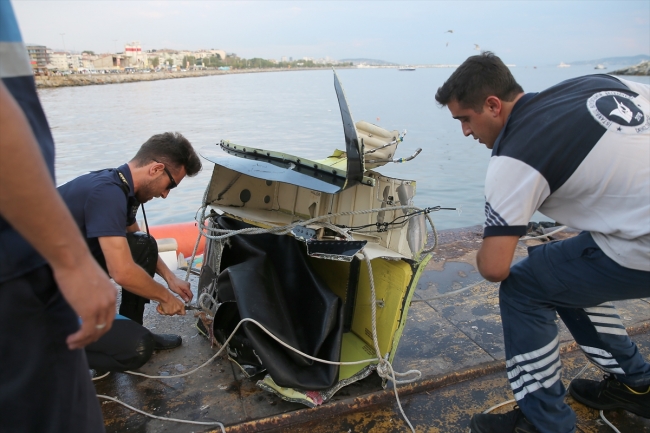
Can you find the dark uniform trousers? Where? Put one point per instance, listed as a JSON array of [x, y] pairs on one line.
[[44, 386], [144, 251], [127, 345]]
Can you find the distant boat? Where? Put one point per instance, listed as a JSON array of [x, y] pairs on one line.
[[600, 66], [406, 68], [563, 65]]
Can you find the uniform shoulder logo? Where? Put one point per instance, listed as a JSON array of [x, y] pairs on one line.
[[620, 112]]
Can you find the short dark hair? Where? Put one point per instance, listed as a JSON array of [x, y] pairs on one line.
[[170, 148], [477, 78]]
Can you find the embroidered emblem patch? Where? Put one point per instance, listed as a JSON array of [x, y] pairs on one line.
[[620, 112]]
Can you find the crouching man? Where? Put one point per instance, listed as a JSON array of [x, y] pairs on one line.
[[104, 204], [577, 152]]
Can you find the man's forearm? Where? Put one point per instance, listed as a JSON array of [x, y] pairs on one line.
[[138, 282], [494, 257], [163, 270]]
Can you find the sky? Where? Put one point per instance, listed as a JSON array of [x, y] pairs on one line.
[[405, 32]]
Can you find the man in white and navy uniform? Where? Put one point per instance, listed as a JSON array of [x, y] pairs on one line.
[[579, 152]]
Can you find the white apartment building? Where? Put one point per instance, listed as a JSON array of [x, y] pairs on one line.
[[134, 56]]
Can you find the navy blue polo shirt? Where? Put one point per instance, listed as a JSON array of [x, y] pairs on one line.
[[17, 257], [102, 204]]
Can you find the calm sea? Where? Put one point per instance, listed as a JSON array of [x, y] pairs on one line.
[[294, 112]]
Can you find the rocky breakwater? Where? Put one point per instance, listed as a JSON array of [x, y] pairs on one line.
[[50, 81], [642, 68]]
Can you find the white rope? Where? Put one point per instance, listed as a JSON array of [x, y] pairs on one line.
[[285, 229], [162, 417], [384, 369], [135, 373], [545, 235], [198, 238], [102, 376], [496, 406], [602, 416], [453, 292], [324, 361]]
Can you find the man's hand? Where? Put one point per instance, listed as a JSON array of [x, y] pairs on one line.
[[180, 287], [171, 306], [91, 295]]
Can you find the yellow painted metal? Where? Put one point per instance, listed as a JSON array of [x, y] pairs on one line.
[[334, 273], [290, 393], [353, 349], [410, 290], [391, 279]]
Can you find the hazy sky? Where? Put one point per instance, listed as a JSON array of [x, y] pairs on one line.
[[520, 32]]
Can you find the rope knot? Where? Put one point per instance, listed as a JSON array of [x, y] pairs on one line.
[[384, 369]]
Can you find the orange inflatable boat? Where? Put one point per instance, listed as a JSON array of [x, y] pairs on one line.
[[185, 235]]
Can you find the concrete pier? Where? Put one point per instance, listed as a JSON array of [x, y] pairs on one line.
[[456, 341]]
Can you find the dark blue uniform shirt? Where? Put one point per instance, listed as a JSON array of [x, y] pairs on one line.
[[102, 204]]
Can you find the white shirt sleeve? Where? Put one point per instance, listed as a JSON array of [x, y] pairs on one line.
[[513, 192]]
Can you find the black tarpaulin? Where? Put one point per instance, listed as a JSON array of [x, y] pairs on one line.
[[269, 279]]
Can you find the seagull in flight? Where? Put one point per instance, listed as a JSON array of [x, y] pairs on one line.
[[476, 47], [449, 31]]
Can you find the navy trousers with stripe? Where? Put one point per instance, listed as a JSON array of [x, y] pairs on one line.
[[576, 280]]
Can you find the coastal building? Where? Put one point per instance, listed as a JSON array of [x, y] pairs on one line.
[[107, 61], [202, 54], [87, 60], [167, 58], [134, 57], [59, 61], [38, 57]]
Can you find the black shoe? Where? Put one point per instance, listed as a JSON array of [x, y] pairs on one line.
[[166, 341], [513, 421], [611, 394]]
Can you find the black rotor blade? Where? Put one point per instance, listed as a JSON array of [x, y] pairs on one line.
[[353, 148]]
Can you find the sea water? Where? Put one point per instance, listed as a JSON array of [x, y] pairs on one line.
[[294, 112]]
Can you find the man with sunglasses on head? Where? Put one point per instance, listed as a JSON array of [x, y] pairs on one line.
[[104, 204]]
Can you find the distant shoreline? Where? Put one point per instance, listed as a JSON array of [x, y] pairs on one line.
[[72, 80]]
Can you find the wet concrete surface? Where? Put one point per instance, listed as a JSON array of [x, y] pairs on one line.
[[450, 408], [456, 341]]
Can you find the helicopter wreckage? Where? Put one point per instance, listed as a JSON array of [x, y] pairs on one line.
[[310, 266]]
